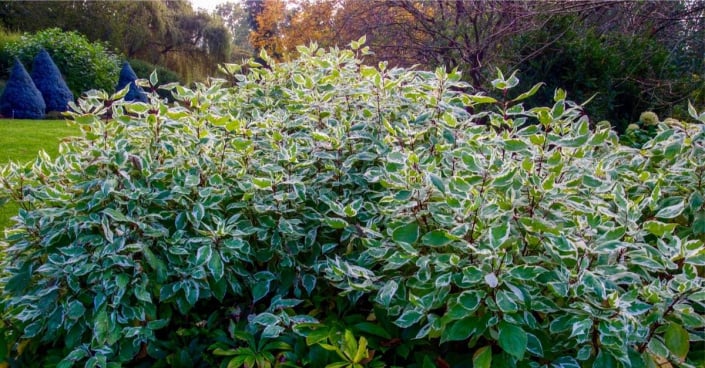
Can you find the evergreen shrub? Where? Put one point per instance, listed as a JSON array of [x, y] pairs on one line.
[[326, 213], [85, 65], [48, 80], [21, 99], [128, 77]]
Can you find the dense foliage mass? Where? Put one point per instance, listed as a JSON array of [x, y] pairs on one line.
[[85, 65], [324, 213], [127, 80], [21, 99], [48, 80]]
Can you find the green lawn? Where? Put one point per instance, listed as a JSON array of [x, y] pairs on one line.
[[20, 140]]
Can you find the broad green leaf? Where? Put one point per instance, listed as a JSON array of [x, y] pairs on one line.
[[408, 233], [565, 362], [515, 145], [153, 78], [505, 303], [677, 340], [409, 318], [470, 300], [534, 345], [605, 359], [482, 358], [309, 283], [336, 223], [659, 228], [437, 182], [479, 99], [260, 289], [386, 292], [529, 93], [215, 266], [462, 329], [499, 234], [262, 183], [203, 255], [115, 214], [192, 292], [512, 339], [437, 238], [671, 211]]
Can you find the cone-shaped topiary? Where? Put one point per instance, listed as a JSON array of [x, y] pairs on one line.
[[47, 78], [21, 98], [128, 76]]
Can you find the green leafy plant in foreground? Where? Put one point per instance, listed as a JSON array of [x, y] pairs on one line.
[[327, 213]]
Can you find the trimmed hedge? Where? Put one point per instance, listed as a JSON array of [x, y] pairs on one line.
[[48, 80], [21, 99], [128, 76]]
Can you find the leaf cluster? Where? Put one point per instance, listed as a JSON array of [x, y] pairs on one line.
[[323, 212]]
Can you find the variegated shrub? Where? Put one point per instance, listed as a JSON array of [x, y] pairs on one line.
[[322, 212]]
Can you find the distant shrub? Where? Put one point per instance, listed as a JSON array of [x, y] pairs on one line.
[[85, 65], [6, 58], [128, 77], [21, 99], [47, 78]]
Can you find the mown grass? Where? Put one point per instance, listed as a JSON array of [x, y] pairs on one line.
[[21, 140]]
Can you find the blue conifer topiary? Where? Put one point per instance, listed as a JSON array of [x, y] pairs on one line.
[[21, 99], [128, 76], [47, 78]]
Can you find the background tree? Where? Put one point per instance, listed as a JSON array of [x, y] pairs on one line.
[[270, 20], [636, 55], [47, 78], [21, 99], [234, 17], [128, 77]]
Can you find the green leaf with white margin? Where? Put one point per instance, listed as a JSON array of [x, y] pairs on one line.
[[671, 211], [482, 357], [437, 238], [565, 362], [499, 234], [408, 233], [512, 339], [408, 318], [659, 228], [470, 300], [605, 360], [514, 145], [677, 340], [437, 182], [192, 291], [203, 255], [262, 183], [336, 223], [386, 292], [215, 266]]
